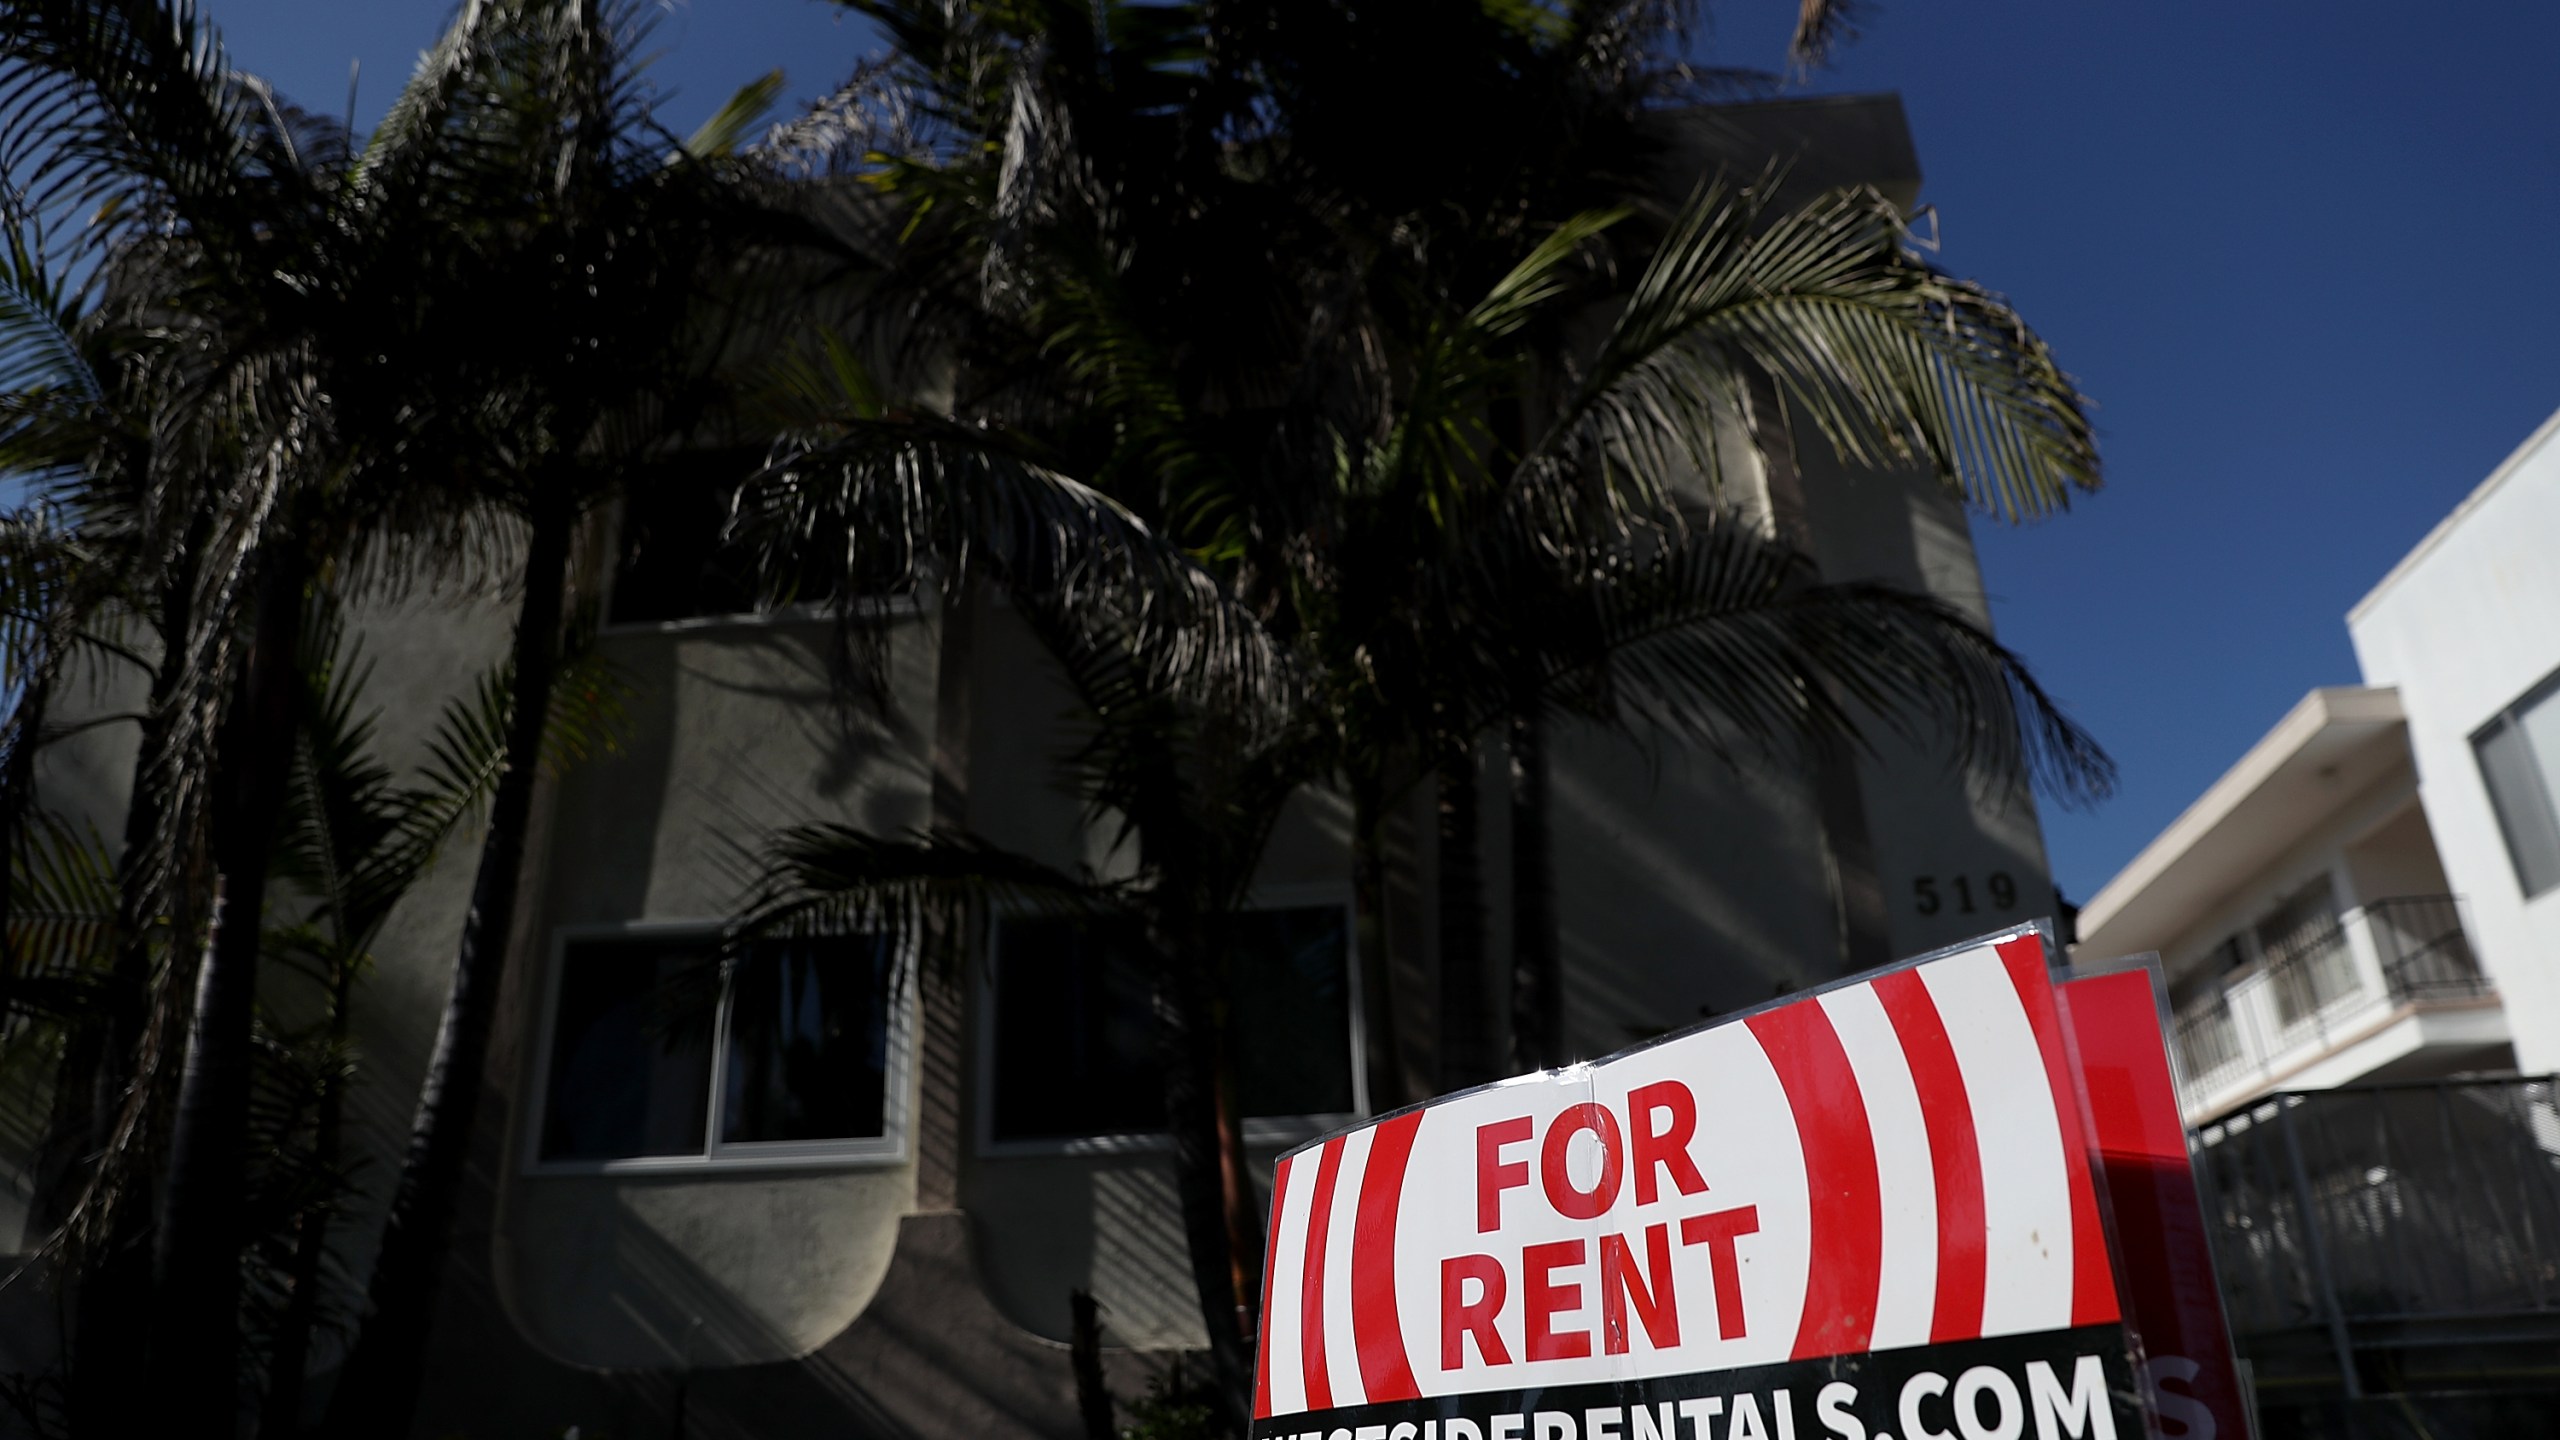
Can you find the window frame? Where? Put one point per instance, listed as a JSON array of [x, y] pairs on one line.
[[2510, 717], [1261, 1132], [889, 1148]]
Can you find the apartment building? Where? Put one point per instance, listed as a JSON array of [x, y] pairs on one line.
[[2368, 893], [835, 1208]]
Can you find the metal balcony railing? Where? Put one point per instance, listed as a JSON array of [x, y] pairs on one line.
[[2209, 1040], [2385, 1203], [2312, 971], [2424, 951], [2321, 980]]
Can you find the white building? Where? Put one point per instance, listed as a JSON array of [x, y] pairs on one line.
[[2373, 891]]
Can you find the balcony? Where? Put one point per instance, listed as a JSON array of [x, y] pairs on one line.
[[2339, 999]]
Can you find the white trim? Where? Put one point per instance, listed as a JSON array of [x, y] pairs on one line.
[[897, 1107], [1276, 1131], [2360, 708], [2478, 497]]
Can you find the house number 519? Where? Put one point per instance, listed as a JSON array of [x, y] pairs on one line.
[[1997, 888]]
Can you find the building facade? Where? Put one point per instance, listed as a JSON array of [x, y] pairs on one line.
[[828, 1206]]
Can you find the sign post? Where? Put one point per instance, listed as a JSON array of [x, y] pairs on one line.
[[1871, 1212]]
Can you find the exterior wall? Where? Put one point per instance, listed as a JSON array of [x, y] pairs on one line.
[[83, 779], [734, 732], [2463, 627], [2321, 852], [425, 650], [1931, 824], [2398, 857]]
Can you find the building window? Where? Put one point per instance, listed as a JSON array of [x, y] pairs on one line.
[[2519, 755], [660, 1055], [1071, 1030], [677, 563]]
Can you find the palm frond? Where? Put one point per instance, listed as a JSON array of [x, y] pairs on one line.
[[1894, 362], [1823, 26], [726, 130], [1718, 634], [832, 879], [884, 506], [62, 921], [128, 113]]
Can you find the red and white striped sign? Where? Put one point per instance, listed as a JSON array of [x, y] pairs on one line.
[[1895, 1162]]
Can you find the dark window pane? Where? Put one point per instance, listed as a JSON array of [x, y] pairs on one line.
[[1075, 1038], [674, 565], [631, 1050], [1290, 986], [676, 562], [808, 1054], [1075, 1051]]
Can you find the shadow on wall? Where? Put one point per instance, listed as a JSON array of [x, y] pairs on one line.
[[641, 1299], [1685, 888], [1109, 1224], [928, 1354]]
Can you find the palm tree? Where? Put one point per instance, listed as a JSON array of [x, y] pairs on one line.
[[1388, 631], [209, 193], [333, 379], [1891, 362], [87, 552], [355, 842], [614, 249], [1330, 475]]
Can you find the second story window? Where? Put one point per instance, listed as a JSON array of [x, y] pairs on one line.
[[2519, 755], [673, 564], [658, 1055], [1071, 1030]]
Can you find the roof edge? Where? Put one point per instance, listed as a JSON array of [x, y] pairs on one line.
[[2479, 496], [2310, 715]]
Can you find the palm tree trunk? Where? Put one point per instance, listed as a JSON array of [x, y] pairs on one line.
[[290, 1355], [1237, 1203], [112, 1292], [17, 799], [1385, 1050], [1466, 1051], [196, 1260], [99, 1062], [1537, 978], [1186, 1045], [378, 1389]]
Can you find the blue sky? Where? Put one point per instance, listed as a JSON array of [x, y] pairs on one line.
[[2298, 251]]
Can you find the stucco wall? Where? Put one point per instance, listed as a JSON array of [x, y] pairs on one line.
[[2464, 628], [2398, 858], [425, 649], [734, 731], [1928, 818], [2314, 855]]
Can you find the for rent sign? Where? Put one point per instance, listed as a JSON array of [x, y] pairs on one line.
[[1866, 1214]]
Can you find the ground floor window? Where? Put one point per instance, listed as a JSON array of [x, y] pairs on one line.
[[1070, 1035], [658, 1053]]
